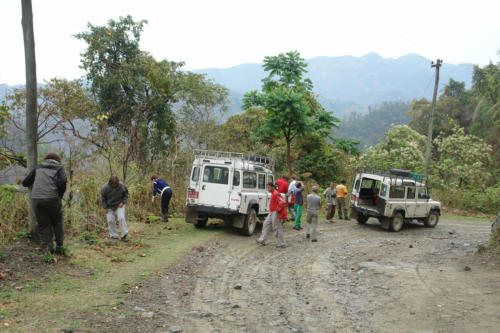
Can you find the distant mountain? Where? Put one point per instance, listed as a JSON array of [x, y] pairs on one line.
[[353, 83]]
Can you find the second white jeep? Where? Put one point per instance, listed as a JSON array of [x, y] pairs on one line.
[[393, 198]]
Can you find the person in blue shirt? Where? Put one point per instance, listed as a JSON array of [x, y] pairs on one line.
[[162, 188]]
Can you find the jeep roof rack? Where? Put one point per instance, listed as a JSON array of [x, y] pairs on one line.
[[259, 160], [396, 174]]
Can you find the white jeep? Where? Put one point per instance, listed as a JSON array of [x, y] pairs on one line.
[[229, 186], [393, 198]]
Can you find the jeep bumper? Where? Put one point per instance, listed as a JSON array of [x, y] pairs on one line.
[[193, 212]]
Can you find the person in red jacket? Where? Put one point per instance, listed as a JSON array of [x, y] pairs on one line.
[[282, 185], [272, 221]]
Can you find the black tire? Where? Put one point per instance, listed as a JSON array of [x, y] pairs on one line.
[[397, 222], [201, 222], [432, 220], [362, 218], [250, 223]]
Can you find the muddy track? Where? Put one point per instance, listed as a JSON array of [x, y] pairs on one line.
[[356, 278]]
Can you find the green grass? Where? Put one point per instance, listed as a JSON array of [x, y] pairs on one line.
[[48, 303], [450, 216]]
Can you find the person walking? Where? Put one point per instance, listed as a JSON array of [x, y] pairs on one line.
[[330, 196], [48, 184], [114, 197], [161, 187], [313, 206], [290, 198], [341, 200], [299, 202], [272, 220]]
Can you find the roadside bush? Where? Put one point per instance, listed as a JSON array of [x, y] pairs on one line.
[[487, 201], [13, 212]]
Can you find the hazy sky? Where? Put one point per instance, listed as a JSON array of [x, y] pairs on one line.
[[224, 33]]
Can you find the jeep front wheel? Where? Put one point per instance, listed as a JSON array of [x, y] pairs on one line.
[[250, 223], [397, 222], [432, 220], [362, 218]]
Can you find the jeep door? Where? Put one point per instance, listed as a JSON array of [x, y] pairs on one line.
[[214, 189], [422, 202], [235, 192], [411, 201]]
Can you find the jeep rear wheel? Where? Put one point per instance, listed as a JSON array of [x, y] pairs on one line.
[[362, 218], [432, 220], [397, 222], [250, 223], [201, 222]]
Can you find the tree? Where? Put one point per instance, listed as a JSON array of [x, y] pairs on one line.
[[292, 109], [134, 91], [404, 148], [464, 161], [31, 98]]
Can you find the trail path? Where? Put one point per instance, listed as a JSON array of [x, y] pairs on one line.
[[356, 278]]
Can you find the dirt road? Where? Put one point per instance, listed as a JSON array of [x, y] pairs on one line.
[[356, 278]]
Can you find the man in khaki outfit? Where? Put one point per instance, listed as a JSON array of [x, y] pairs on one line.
[[313, 206]]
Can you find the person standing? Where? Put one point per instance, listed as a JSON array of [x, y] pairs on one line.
[[330, 196], [48, 184], [272, 220], [161, 187], [282, 185], [299, 202], [313, 206], [290, 198], [341, 200], [114, 197]]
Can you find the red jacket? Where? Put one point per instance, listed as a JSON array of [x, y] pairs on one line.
[[273, 204], [282, 185], [282, 204]]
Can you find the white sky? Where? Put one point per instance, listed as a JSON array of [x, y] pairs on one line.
[[224, 33]]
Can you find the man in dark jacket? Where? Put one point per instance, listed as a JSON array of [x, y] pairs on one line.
[[161, 187], [114, 197], [48, 184]]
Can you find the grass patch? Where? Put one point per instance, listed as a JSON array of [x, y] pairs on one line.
[[455, 217], [98, 276]]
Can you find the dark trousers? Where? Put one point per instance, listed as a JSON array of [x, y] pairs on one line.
[[165, 200], [341, 204], [48, 213], [331, 212]]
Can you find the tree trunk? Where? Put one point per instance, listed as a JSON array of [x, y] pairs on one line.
[[288, 158], [31, 100]]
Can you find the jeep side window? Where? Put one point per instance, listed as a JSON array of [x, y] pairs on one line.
[[422, 193], [397, 192], [215, 174], [270, 179], [383, 190], [249, 179], [410, 192], [356, 185], [236, 178], [196, 174], [262, 181]]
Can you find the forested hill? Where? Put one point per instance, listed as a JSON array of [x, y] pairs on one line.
[[369, 129], [352, 83]]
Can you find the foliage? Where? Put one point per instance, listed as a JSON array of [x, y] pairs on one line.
[[13, 212], [485, 201], [464, 161], [292, 109], [403, 148]]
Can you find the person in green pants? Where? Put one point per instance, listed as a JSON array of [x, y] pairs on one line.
[[299, 202]]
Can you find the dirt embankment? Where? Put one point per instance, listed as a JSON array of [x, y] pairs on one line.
[[354, 279]]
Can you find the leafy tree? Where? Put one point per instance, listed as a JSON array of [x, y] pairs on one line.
[[292, 109], [134, 91], [464, 161], [404, 148]]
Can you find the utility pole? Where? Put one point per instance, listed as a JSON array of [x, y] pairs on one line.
[[436, 65]]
